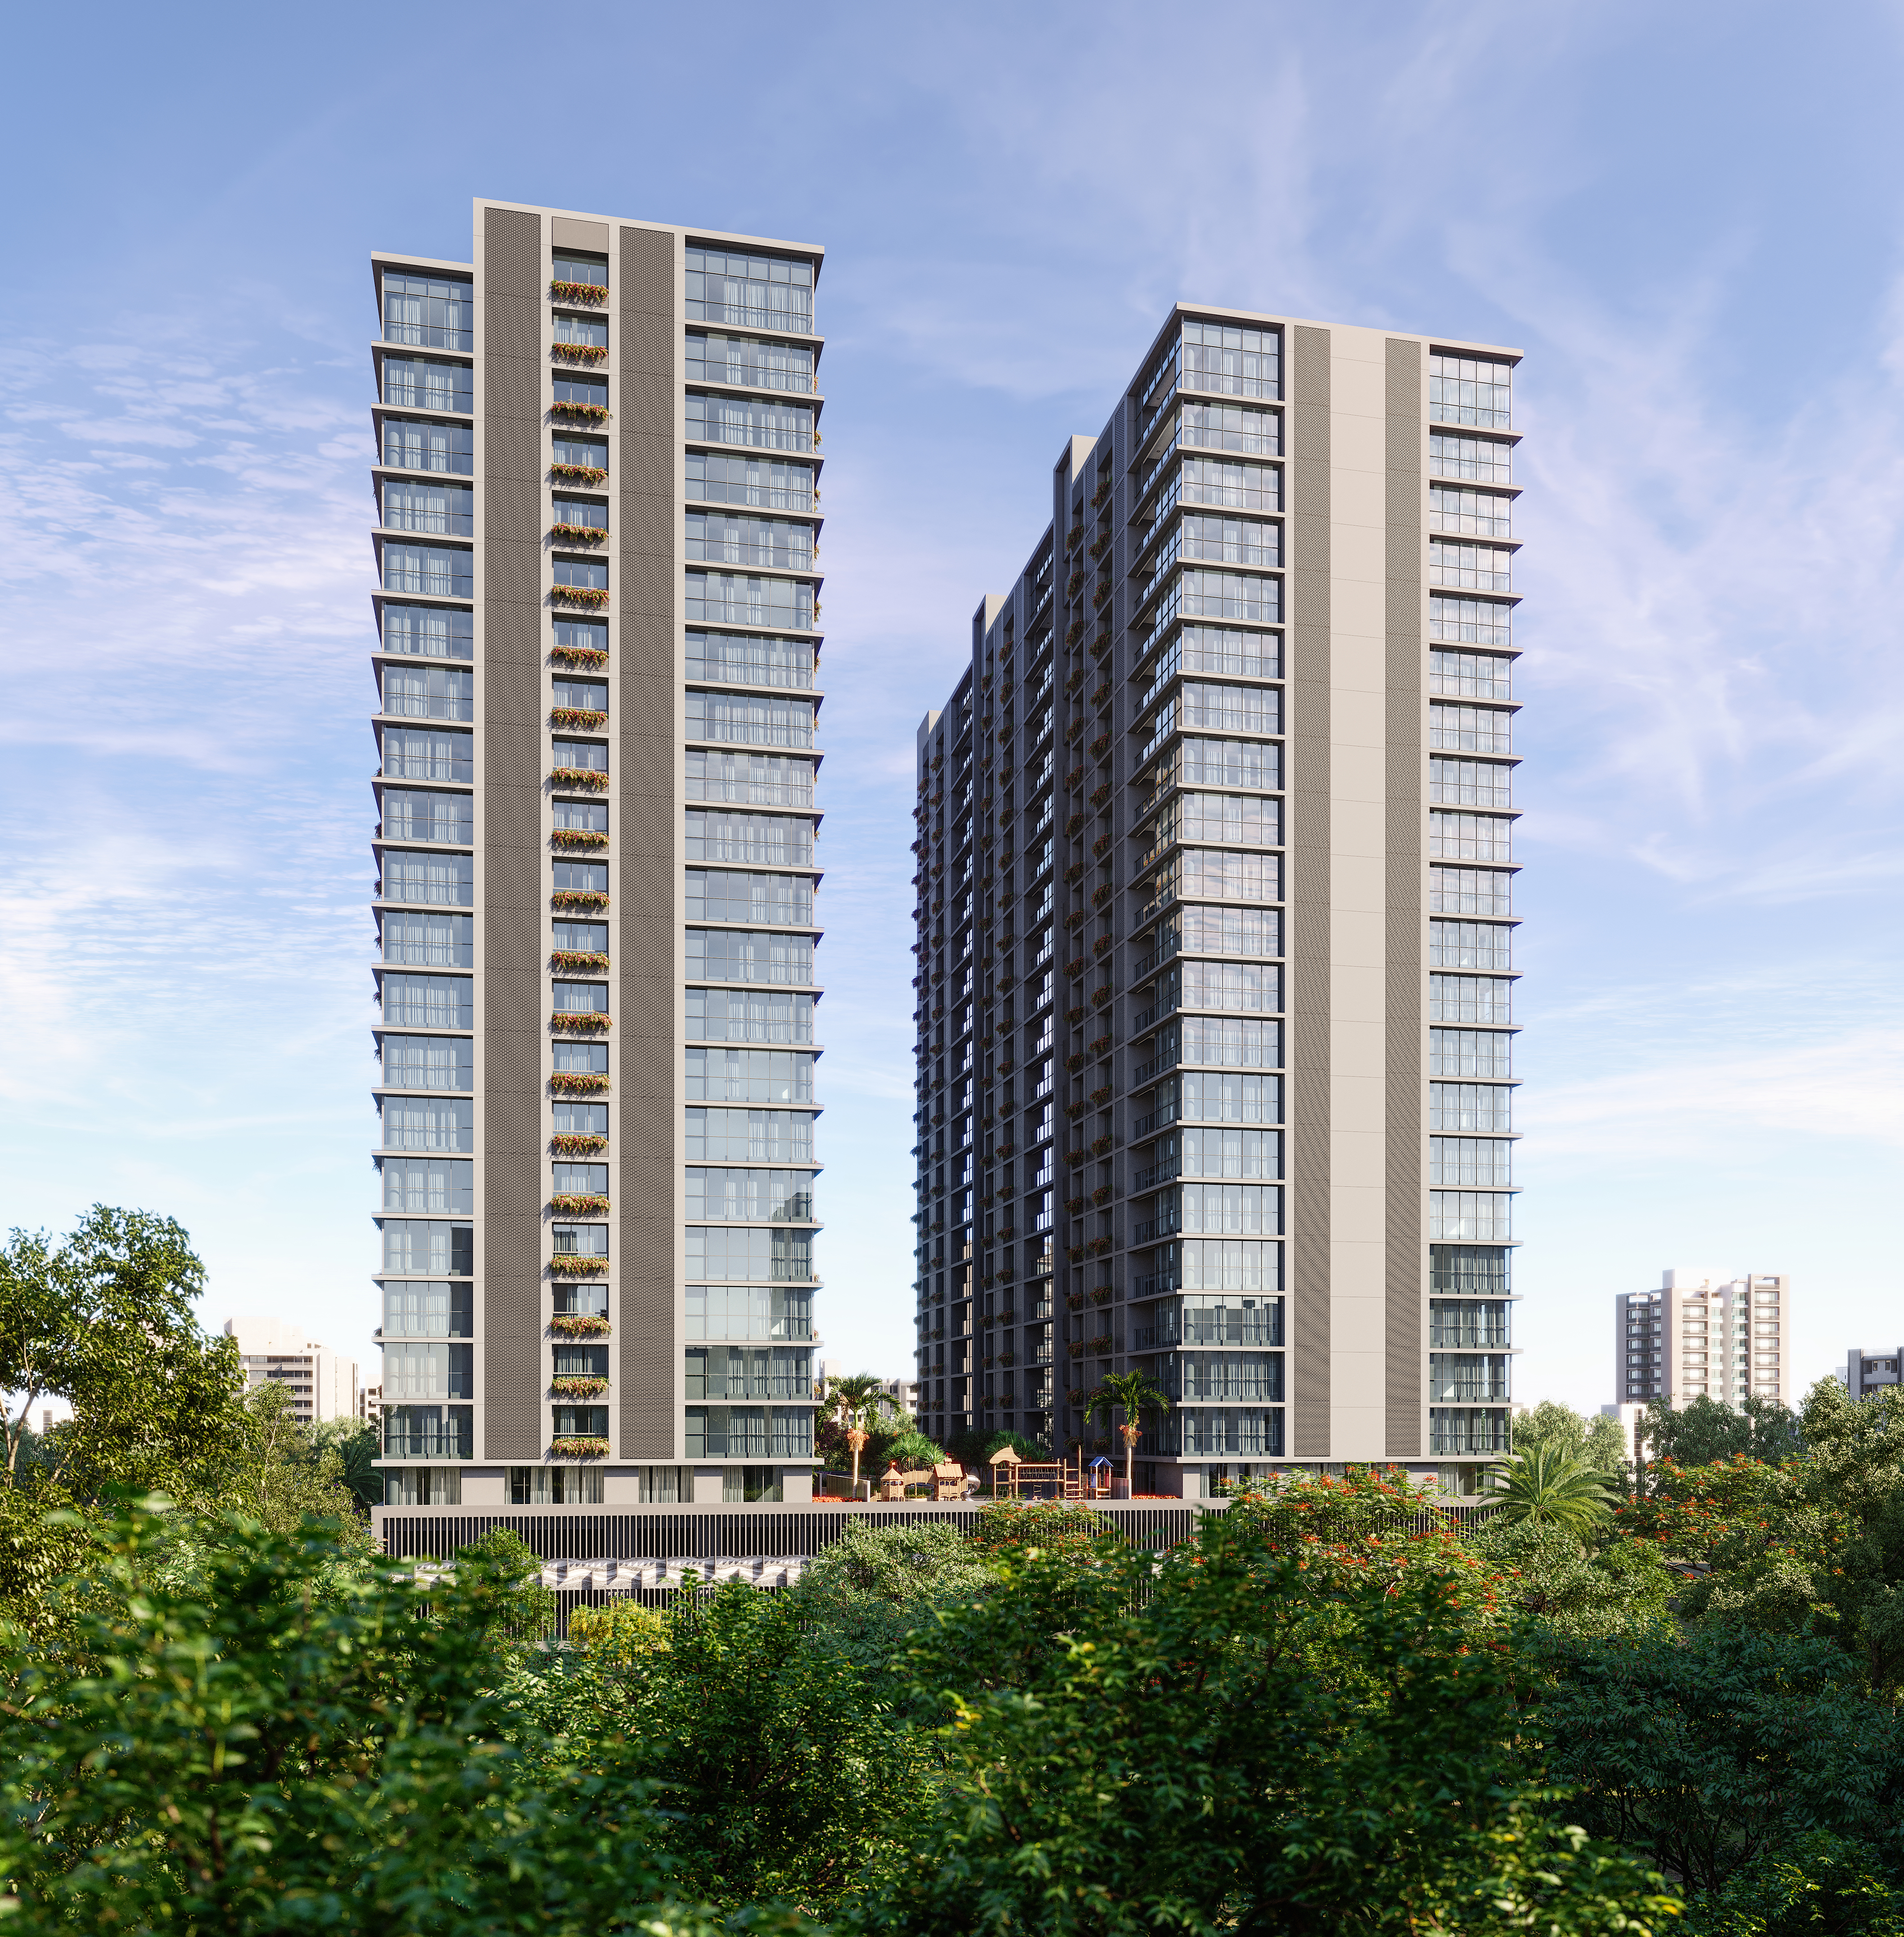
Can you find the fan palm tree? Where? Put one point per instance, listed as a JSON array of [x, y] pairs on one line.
[[857, 1399], [1552, 1486], [1133, 1394]]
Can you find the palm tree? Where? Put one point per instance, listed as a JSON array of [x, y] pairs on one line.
[[1134, 1394], [856, 1400], [1552, 1486]]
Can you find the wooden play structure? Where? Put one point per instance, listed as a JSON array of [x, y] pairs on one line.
[[1014, 1477], [947, 1482]]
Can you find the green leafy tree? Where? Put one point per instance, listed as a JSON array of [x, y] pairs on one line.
[[1203, 1743], [1550, 1486], [1597, 1442], [356, 1444], [865, 1596], [1707, 1751], [1133, 1394], [264, 1753], [1704, 1431], [1818, 1885], [1619, 1587], [855, 1402]]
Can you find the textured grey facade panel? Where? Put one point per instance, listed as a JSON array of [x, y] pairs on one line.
[[1308, 942], [511, 920], [647, 872], [1404, 790]]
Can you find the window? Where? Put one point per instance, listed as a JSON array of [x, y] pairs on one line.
[[591, 1057], [728, 955], [422, 1486], [1480, 514], [416, 1309], [592, 270], [1469, 1106], [429, 632], [423, 383], [749, 362], [1477, 1162], [555, 1486], [591, 754], [1481, 1054], [1462, 1376], [1470, 837], [749, 1076], [1470, 783], [1469, 729], [1213, 1096], [772, 484], [582, 877], [1247, 1210], [1469, 998], [1247, 820], [1463, 390], [585, 512], [580, 635], [427, 1249], [581, 1301], [1471, 676], [591, 332], [592, 816], [1230, 1153], [428, 1002], [749, 1136], [762, 779], [1232, 709], [750, 1196], [581, 1120], [1241, 487], [1228, 763], [412, 445], [1215, 649], [751, 661], [427, 1372], [1469, 944], [745, 1252], [427, 692], [762, 722], [733, 538], [1468, 1213], [579, 1241], [1478, 622], [444, 817], [1201, 872], [580, 1422], [1223, 541], [756, 292], [748, 1312], [727, 598], [426, 1183], [1463, 1269], [579, 998], [579, 1179], [1473, 568], [447, 509], [1233, 363], [583, 573], [1455, 1323], [743, 1371], [1469, 891], [429, 1432], [1452, 1430], [755, 422], [1219, 1264], [1218, 985], [421, 1122], [1207, 1432], [587, 453], [427, 1062], [784, 900], [590, 393], [1220, 594], [445, 880], [580, 937], [590, 695], [1230, 427], [435, 570], [716, 1015], [1486, 460]]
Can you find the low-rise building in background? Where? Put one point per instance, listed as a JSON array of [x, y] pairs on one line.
[[323, 1383], [1871, 1369]]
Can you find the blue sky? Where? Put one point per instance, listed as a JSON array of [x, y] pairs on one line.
[[1688, 217]]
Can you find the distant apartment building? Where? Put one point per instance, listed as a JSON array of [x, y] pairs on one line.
[[1868, 1370], [274, 1351], [596, 494], [1703, 1335], [1215, 922]]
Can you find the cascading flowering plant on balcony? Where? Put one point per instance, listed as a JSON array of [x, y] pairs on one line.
[[578, 837], [594, 597], [590, 899], [577, 1385], [578, 535], [593, 294], [583, 719], [570, 1265], [579, 1325], [574, 1446], [592, 414], [579, 1204], [579, 658], [585, 780], [568, 1022], [566, 960], [578, 1082], [565, 1143], [578, 473], [579, 352]]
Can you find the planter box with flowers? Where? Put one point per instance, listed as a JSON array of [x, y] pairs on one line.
[[587, 413], [1101, 1248], [579, 1447], [580, 1203], [1100, 1144], [1007, 1148], [1008, 1316], [1075, 1300], [1076, 1157], [573, 838], [1101, 895], [1075, 967], [579, 658], [1075, 1207], [1074, 1062], [568, 1021], [579, 535], [593, 598], [1100, 795], [565, 961], [578, 1082], [579, 780], [1100, 1345], [1008, 1358], [593, 294], [1075, 1347], [567, 1143], [1074, 1111], [1101, 1095], [1075, 921], [579, 1325], [578, 473], [578, 719], [1102, 845], [1102, 695], [1100, 746], [1101, 998], [577, 1385], [1101, 1195], [1100, 1046], [579, 352], [1103, 945], [589, 901], [1074, 780], [569, 1266], [1100, 1294]]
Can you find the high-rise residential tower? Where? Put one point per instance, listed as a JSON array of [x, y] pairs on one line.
[[1215, 923], [1703, 1335], [597, 493]]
